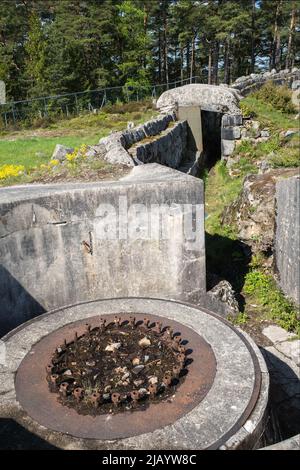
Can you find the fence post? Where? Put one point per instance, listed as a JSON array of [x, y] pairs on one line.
[[76, 103], [45, 107]]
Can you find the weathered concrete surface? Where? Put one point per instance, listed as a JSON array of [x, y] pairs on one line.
[[167, 148], [117, 143], [284, 403], [276, 334], [287, 238], [208, 97], [211, 423], [253, 82], [53, 253], [289, 444]]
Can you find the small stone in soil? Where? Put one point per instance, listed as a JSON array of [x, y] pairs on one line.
[[137, 369]]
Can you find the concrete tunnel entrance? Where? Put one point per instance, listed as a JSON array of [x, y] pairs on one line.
[[211, 137], [203, 136]]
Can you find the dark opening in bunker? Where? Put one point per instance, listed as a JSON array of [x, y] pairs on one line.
[[211, 136]]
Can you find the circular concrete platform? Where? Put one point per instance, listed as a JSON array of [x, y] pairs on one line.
[[230, 414]]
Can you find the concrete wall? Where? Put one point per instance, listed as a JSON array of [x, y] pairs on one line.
[[168, 148], [51, 254], [118, 143], [287, 238]]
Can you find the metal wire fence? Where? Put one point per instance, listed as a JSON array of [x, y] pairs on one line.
[[72, 104]]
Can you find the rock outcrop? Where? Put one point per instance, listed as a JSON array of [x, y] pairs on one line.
[[209, 97], [253, 82], [253, 212], [60, 152]]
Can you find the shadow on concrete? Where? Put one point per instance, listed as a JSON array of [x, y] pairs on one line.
[[14, 437], [228, 260], [284, 400], [16, 304]]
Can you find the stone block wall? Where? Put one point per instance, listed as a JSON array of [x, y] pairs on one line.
[[51, 253], [287, 237], [167, 148], [230, 132], [118, 143]]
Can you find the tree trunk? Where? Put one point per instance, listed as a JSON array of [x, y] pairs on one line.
[[216, 63], [227, 61], [192, 59], [187, 59], [159, 57], [276, 37], [209, 66], [145, 30], [166, 67], [290, 52], [253, 37], [181, 65]]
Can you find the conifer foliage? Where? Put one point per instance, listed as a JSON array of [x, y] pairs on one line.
[[50, 46]]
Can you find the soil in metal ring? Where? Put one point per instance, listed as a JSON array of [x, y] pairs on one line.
[[118, 366]]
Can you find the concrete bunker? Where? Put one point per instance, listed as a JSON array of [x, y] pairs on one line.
[[81, 279]]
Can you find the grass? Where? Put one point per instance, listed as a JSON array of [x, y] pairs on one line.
[[268, 115], [34, 147], [33, 151], [224, 254], [262, 290]]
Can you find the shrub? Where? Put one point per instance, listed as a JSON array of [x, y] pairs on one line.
[[280, 97]]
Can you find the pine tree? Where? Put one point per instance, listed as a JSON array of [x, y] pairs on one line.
[[35, 48]]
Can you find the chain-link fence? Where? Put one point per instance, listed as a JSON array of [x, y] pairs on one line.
[[72, 104]]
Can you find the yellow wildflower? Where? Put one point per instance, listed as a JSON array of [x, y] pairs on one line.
[[9, 171]]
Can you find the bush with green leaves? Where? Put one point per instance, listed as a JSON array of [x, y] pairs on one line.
[[280, 97]]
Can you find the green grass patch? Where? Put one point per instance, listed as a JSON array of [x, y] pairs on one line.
[[32, 148], [34, 151], [262, 290], [268, 115]]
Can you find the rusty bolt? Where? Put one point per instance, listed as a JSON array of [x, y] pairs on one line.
[[88, 328], [135, 395], [117, 320], [158, 326], [167, 379], [181, 358], [102, 323], [177, 339], [176, 371], [132, 321], [49, 368], [152, 389], [64, 388], [54, 378], [95, 398], [181, 349], [175, 345], [116, 398], [146, 322], [78, 393]]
